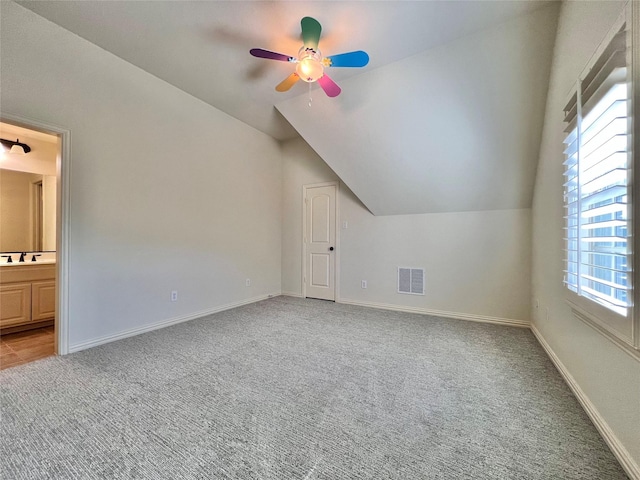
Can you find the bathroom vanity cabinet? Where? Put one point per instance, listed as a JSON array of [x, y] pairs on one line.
[[27, 294]]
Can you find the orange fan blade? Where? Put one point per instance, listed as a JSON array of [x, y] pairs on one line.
[[288, 82]]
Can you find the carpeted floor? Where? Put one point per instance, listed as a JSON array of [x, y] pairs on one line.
[[301, 389]]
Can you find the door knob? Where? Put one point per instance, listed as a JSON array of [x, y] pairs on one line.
[[331, 249]]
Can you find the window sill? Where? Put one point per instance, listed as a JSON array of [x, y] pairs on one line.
[[587, 312]]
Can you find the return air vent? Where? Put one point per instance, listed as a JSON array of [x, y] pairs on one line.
[[411, 280]]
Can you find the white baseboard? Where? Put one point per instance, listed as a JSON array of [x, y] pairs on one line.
[[440, 313], [164, 323], [621, 453], [292, 294]]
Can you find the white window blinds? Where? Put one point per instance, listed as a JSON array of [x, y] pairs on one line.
[[597, 174]]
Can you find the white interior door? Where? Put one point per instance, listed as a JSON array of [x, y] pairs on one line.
[[320, 242]]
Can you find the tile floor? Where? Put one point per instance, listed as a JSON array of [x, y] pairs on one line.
[[25, 347]]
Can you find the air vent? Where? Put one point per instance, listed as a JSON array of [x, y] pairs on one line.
[[411, 280]]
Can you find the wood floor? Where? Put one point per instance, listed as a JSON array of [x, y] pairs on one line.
[[25, 347]]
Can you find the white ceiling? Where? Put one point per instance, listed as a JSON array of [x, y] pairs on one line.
[[202, 47]]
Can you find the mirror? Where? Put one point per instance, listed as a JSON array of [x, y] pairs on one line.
[[27, 211]]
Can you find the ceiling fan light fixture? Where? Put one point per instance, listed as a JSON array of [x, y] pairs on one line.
[[309, 67]]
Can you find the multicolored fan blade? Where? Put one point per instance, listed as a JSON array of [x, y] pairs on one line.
[[330, 87], [310, 32], [288, 82], [350, 59], [260, 53]]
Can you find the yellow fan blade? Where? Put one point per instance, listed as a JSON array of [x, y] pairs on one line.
[[288, 82]]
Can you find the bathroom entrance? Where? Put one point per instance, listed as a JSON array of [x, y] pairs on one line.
[[29, 226]]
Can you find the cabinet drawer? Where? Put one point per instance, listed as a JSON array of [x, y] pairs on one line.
[[27, 272], [15, 304], [43, 300]]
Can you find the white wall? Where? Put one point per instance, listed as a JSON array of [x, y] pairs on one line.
[[609, 378], [477, 263], [454, 128], [167, 193]]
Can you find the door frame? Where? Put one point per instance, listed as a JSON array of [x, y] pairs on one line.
[[336, 280], [36, 217], [63, 176]]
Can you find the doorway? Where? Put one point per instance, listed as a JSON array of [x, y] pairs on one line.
[[34, 321], [320, 241]]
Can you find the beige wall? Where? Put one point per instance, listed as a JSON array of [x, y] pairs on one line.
[[167, 192], [609, 377], [477, 263]]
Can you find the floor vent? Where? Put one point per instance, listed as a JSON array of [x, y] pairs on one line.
[[411, 280]]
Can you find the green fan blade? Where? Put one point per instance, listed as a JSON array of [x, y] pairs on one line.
[[310, 32]]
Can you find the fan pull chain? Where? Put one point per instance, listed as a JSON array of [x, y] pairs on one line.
[[310, 99]]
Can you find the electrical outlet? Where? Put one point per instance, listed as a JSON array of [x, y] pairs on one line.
[[248, 282], [345, 225], [364, 284], [174, 295]]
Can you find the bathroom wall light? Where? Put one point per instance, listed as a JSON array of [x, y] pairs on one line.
[[15, 147]]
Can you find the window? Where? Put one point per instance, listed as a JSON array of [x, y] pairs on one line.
[[597, 195]]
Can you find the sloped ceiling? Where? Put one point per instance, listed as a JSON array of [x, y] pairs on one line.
[[446, 117], [455, 128], [202, 47]]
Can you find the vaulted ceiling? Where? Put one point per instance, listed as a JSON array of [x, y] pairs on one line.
[[447, 116], [454, 128]]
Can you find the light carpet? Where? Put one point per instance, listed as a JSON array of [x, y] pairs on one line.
[[301, 389]]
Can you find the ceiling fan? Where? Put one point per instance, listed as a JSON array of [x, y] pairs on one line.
[[310, 63]]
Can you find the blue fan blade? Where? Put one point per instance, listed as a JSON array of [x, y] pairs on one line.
[[351, 59]]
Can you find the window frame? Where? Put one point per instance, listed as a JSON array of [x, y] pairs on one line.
[[624, 331]]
